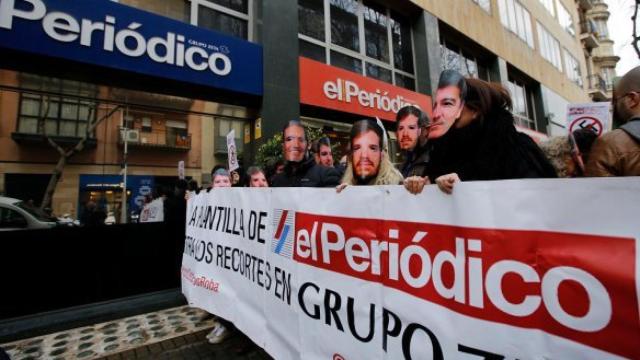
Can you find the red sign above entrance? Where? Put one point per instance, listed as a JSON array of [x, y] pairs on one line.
[[333, 88]]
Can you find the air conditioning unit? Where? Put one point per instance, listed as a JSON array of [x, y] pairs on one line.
[[132, 136]]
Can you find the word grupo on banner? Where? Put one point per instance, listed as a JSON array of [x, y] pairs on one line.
[[375, 271]]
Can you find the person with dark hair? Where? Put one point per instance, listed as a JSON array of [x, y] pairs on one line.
[[584, 139], [412, 126], [474, 138], [617, 153], [300, 170], [256, 177], [368, 161], [321, 149]]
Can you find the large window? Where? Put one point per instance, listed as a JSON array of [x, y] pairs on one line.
[[516, 18], [53, 113], [572, 68], [549, 47], [453, 57], [522, 104], [565, 19], [223, 126], [360, 36], [175, 9]]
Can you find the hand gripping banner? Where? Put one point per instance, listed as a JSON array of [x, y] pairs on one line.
[[499, 270]]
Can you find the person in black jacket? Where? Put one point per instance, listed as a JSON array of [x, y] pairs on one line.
[[300, 169], [481, 143], [473, 136]]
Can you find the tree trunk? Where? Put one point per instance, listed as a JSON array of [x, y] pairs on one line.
[[53, 182], [66, 155]]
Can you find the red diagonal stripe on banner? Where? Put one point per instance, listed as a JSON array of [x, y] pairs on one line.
[[283, 219]]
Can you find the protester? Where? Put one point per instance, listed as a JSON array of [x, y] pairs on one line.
[[584, 139], [617, 153], [368, 161], [235, 178], [221, 328], [300, 170], [473, 136], [564, 155], [92, 215], [322, 153], [257, 177], [411, 130]]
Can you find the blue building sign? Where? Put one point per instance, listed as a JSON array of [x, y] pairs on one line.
[[112, 35]]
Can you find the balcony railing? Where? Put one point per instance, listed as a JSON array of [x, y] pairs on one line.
[[596, 82], [160, 140]]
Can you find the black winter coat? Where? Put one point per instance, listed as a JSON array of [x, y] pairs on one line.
[[491, 149], [306, 174], [416, 162]]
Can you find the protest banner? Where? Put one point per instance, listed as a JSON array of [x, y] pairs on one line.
[[153, 211], [504, 269]]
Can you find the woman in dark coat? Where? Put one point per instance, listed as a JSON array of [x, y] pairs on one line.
[[483, 143]]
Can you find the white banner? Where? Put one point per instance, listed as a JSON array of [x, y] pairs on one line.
[[153, 211], [594, 116], [504, 269]]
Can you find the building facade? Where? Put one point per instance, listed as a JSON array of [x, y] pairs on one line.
[[327, 62], [598, 49]]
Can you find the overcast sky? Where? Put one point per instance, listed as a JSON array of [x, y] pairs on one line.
[[620, 31]]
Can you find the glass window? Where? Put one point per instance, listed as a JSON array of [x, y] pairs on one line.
[[405, 82], [453, 58], [401, 38], [215, 20], [311, 18], [62, 114], [361, 31], [572, 68], [237, 5], [516, 18], [549, 47], [312, 51], [519, 95], [379, 73], [346, 62], [565, 19], [344, 24], [375, 32]]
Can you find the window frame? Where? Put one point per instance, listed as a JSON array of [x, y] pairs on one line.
[[248, 17], [361, 55]]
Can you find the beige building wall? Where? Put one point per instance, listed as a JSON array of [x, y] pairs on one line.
[[487, 30]]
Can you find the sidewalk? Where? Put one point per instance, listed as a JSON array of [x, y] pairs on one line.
[[176, 333]]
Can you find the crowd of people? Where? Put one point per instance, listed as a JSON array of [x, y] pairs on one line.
[[470, 137]]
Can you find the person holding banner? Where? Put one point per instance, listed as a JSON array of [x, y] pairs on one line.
[[301, 170], [474, 138], [617, 153], [368, 160], [412, 129]]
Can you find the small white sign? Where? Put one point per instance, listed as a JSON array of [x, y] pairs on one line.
[[181, 169], [232, 153], [593, 116]]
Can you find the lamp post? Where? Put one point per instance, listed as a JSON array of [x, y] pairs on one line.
[[123, 206]]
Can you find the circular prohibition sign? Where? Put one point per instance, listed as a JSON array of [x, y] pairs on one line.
[[586, 122]]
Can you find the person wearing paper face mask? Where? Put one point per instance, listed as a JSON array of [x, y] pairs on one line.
[[300, 169], [412, 129], [473, 135], [368, 162]]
